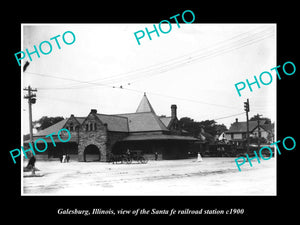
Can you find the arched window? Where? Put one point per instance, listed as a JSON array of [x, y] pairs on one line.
[[91, 126], [71, 127], [86, 127], [95, 126]]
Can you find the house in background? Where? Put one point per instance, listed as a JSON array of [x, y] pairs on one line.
[[266, 131], [237, 133], [96, 136], [222, 137]]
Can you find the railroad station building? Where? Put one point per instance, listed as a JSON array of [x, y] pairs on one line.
[[96, 136]]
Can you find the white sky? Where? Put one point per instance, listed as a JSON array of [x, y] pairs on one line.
[[190, 66]]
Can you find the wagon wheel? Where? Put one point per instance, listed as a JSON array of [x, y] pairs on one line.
[[143, 160], [123, 159], [129, 160]]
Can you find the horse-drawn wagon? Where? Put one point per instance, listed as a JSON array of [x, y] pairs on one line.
[[129, 157]]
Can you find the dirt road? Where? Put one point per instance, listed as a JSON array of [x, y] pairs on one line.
[[213, 176]]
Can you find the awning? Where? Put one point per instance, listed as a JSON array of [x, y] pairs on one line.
[[48, 139], [144, 137]]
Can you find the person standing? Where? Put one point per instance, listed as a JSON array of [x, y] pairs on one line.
[[67, 158], [64, 158], [199, 158], [31, 164], [155, 156], [128, 153]]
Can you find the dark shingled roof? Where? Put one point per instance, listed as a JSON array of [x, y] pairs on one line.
[[145, 121], [158, 137], [54, 128], [114, 122], [241, 127], [80, 119], [166, 120], [145, 105]]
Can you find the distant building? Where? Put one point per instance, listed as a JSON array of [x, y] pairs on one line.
[[96, 136], [222, 137], [237, 132]]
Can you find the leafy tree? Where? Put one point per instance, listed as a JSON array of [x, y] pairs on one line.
[[194, 128], [254, 140], [255, 118], [46, 121], [189, 125]]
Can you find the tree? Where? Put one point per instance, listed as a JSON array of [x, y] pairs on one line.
[[45, 122], [220, 128], [255, 118], [194, 128], [189, 125], [254, 140]]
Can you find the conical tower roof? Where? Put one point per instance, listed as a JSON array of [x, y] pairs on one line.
[[144, 105]]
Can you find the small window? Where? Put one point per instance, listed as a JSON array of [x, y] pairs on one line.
[[95, 126], [91, 126], [86, 127]]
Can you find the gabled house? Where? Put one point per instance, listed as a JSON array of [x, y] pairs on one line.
[[96, 136], [237, 133]]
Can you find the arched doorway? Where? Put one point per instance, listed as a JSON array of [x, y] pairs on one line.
[[91, 153]]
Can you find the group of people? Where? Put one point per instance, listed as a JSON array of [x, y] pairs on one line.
[[64, 158]]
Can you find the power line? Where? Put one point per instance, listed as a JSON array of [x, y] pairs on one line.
[[174, 63], [203, 54], [190, 100], [188, 58], [134, 90], [228, 116]]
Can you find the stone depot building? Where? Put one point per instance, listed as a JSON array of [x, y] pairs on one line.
[[96, 136]]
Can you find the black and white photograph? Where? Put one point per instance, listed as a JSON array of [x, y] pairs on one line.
[[143, 109]]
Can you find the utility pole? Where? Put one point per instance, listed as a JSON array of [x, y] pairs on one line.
[[258, 128], [31, 100], [247, 109]]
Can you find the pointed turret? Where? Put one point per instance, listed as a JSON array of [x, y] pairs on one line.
[[144, 105]]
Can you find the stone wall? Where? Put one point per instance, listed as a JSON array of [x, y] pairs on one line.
[[73, 126], [93, 132]]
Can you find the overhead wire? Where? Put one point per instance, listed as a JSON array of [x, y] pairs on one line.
[[194, 56], [165, 66], [138, 91], [231, 44], [225, 117], [203, 55]]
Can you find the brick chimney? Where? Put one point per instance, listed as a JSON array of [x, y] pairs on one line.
[[173, 111], [236, 120], [94, 111]]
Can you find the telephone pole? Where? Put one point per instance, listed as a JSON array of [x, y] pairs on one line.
[[247, 109], [31, 100], [258, 129]]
